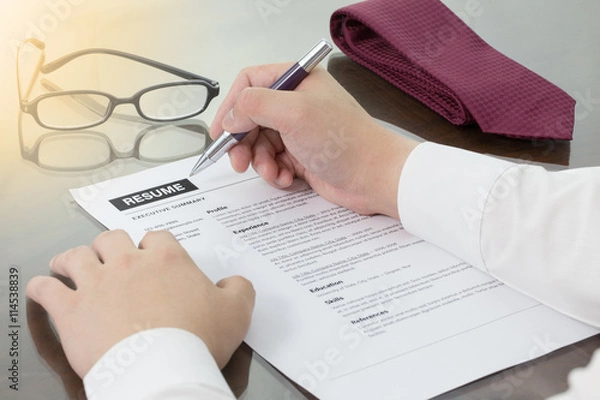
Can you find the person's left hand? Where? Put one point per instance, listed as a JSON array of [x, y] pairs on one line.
[[120, 288]]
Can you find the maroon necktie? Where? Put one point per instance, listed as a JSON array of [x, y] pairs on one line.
[[424, 49]]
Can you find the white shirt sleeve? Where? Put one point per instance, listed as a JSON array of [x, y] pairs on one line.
[[162, 363], [537, 231]]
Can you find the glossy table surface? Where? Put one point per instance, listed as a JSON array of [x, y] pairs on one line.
[[39, 218]]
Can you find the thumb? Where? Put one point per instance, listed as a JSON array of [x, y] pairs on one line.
[[261, 106]]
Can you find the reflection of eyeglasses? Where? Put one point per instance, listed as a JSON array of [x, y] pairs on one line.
[[89, 149], [79, 109]]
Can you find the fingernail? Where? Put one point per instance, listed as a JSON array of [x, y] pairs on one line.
[[260, 169], [279, 182]]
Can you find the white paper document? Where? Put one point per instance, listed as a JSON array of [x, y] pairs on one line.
[[348, 306]]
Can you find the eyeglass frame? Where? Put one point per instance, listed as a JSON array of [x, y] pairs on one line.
[[30, 107]]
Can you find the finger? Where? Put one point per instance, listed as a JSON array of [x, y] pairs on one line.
[[263, 158], [111, 244], [240, 287], [287, 172], [51, 294], [259, 76], [80, 264], [270, 160], [240, 156]]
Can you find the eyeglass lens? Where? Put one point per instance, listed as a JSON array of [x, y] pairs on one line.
[[173, 102], [72, 110]]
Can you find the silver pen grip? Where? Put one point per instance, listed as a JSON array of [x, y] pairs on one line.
[[221, 145]]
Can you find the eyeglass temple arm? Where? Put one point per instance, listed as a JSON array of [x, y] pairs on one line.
[[54, 65], [92, 104], [24, 96]]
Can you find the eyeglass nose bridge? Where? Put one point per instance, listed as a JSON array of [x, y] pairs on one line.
[[114, 102], [134, 100]]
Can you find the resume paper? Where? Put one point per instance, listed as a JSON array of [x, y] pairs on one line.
[[348, 305]]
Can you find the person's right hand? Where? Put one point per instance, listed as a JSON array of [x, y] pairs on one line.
[[317, 132]]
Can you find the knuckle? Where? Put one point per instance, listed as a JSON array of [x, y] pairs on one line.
[[243, 280], [164, 247], [169, 255], [247, 72], [109, 235], [159, 235], [126, 260]]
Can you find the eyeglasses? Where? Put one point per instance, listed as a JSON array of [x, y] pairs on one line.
[[80, 109]]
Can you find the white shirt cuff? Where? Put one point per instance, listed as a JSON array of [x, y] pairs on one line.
[[155, 361], [442, 194]]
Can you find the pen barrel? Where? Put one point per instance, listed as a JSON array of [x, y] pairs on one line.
[[290, 79]]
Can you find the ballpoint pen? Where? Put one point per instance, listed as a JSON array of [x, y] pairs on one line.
[[288, 81]]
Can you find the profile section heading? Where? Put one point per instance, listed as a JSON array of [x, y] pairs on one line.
[[153, 194]]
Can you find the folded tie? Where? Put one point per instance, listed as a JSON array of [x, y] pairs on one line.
[[424, 49]]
